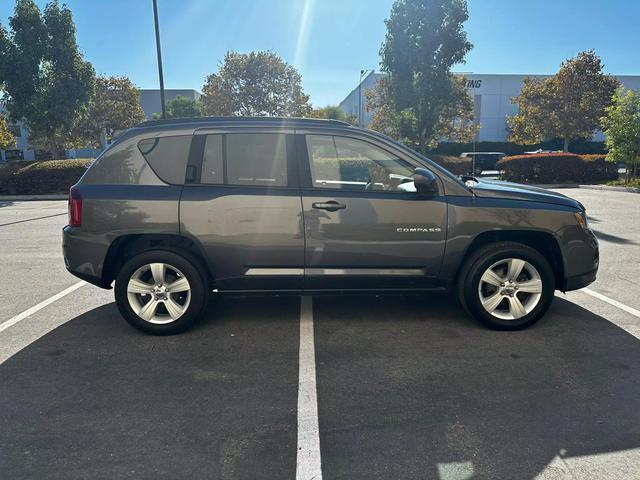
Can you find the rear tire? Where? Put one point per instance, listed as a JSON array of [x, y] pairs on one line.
[[506, 285], [160, 292]]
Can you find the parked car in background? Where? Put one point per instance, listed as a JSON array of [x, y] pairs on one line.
[[176, 210], [483, 161]]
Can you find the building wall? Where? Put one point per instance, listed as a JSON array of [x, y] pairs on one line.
[[492, 105], [149, 101]]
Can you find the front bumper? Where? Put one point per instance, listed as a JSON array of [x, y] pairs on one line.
[[585, 262]]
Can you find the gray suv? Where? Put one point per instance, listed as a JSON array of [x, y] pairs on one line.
[[175, 210]]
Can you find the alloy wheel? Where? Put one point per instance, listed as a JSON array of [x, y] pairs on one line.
[[159, 293], [510, 289]]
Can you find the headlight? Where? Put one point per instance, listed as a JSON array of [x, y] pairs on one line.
[[581, 218]]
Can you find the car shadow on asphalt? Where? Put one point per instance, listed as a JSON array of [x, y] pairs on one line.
[[412, 388], [408, 387], [97, 399]]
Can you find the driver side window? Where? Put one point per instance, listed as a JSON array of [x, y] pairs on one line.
[[350, 164]]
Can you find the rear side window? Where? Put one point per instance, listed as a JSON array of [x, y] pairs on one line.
[[251, 159], [167, 156]]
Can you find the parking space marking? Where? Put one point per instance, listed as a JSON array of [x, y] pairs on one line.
[[30, 311], [611, 301], [33, 219], [308, 464]]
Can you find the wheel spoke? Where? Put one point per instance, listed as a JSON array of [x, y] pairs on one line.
[[530, 286], [516, 308], [492, 278], [148, 310], [138, 286], [492, 302], [158, 271], [180, 285], [515, 268], [173, 307]]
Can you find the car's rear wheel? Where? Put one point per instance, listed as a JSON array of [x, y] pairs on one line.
[[507, 285], [160, 292]]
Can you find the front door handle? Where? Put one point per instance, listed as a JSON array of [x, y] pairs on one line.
[[330, 206]]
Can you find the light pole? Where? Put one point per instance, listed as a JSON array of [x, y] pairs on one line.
[[362, 74], [155, 20]]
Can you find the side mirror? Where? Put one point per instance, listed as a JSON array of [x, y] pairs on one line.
[[425, 182]]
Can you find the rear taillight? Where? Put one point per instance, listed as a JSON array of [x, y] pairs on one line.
[[75, 207]]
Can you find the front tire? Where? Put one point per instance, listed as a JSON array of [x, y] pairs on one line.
[[160, 292], [506, 285]]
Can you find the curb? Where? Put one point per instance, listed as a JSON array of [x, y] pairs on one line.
[[28, 198], [609, 188]]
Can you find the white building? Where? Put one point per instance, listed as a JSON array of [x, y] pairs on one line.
[[492, 105], [149, 101]]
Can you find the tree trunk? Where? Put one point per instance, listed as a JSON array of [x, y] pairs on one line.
[[566, 145], [53, 149]]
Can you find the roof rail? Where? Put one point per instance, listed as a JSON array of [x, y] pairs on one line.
[[199, 120]]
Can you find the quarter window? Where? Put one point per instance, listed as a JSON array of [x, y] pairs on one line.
[[167, 156], [347, 163]]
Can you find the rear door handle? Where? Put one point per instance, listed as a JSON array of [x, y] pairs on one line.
[[330, 206]]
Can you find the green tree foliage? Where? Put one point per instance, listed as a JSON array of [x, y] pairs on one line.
[[255, 83], [421, 100], [333, 112], [114, 106], [7, 140], [181, 107], [621, 125], [568, 105], [46, 81]]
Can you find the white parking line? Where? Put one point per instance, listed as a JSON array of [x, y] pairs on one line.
[[30, 311], [308, 458], [611, 301]]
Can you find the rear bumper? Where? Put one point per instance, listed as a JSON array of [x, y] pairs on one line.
[[83, 257]]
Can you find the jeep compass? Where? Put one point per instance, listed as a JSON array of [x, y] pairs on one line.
[[175, 211]]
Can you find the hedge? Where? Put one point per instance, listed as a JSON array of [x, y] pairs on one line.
[[557, 168], [579, 146], [44, 177]]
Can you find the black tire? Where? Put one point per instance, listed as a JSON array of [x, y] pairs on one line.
[[199, 294], [479, 261]]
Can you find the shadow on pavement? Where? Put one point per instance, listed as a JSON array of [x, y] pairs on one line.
[[96, 399], [412, 388], [606, 237]]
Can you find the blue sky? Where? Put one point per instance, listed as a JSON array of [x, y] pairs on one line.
[[329, 41]]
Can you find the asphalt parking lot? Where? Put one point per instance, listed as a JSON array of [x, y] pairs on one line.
[[407, 387]]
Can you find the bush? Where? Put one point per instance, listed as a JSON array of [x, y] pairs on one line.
[[456, 165], [40, 178], [557, 168]]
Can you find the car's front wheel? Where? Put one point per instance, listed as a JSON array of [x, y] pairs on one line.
[[160, 292], [507, 285]]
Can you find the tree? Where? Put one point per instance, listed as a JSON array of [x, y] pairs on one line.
[[7, 140], [333, 112], [114, 106], [46, 81], [421, 97], [181, 107], [621, 125], [255, 83], [568, 105]]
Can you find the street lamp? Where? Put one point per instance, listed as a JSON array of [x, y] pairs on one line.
[[155, 20], [362, 74]]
